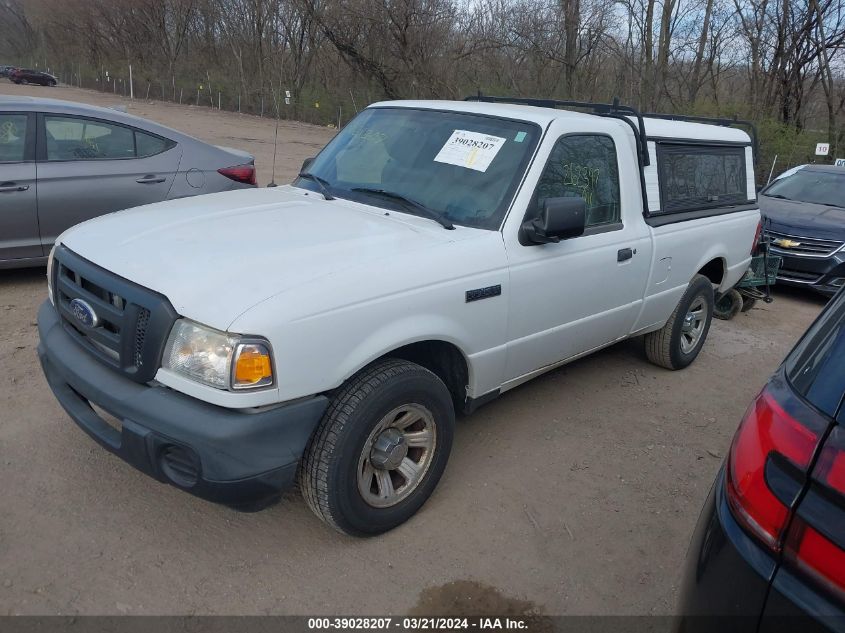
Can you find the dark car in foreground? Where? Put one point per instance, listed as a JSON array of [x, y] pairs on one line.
[[768, 553], [805, 215], [27, 76], [62, 163]]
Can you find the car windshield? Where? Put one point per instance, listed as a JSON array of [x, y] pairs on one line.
[[805, 185], [462, 167]]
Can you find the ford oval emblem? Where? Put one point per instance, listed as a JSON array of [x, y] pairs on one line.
[[84, 313]]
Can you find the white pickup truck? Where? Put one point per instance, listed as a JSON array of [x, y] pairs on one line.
[[434, 255]]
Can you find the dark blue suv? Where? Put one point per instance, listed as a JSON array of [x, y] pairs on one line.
[[804, 215], [768, 553]]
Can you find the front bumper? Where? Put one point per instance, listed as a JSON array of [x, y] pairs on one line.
[[236, 457], [823, 274]]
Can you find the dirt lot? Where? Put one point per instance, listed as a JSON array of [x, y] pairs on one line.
[[577, 492]]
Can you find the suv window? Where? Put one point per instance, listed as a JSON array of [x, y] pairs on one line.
[[71, 138], [694, 177], [583, 165], [816, 367], [12, 137]]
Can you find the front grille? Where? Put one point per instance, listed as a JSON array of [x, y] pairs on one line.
[[802, 246], [131, 324]]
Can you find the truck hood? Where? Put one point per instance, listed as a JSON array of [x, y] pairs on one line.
[[803, 218], [216, 256]]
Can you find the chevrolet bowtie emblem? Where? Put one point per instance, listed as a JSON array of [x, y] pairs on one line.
[[787, 243]]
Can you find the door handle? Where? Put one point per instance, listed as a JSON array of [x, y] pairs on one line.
[[7, 188], [150, 180], [624, 254]]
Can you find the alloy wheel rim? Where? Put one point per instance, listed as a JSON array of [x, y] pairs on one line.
[[397, 455], [693, 325]]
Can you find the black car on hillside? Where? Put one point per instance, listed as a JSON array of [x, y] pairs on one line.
[[804, 214], [768, 553], [26, 76]]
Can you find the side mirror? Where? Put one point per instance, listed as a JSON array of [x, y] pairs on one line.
[[306, 164], [559, 219], [760, 188]]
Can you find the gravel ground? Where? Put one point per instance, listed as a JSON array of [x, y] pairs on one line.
[[575, 493]]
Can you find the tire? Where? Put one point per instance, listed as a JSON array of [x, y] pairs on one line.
[[669, 347], [728, 305], [748, 303], [24, 82], [340, 475]]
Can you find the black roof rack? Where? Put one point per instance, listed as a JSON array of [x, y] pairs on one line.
[[623, 112], [614, 110], [618, 110]]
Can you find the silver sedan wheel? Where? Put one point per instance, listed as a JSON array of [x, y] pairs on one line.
[[693, 325], [396, 455]]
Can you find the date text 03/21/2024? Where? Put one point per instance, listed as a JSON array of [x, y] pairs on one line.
[[419, 623]]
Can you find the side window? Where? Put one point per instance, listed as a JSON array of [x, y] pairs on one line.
[[72, 138], [149, 145], [694, 177], [816, 367], [583, 166], [12, 137]]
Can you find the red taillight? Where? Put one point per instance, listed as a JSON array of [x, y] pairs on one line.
[[812, 553], [806, 547], [757, 235], [766, 430], [240, 173]]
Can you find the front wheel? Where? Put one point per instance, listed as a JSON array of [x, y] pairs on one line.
[[678, 343], [380, 448]]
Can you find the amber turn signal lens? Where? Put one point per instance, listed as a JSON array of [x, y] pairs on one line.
[[252, 366]]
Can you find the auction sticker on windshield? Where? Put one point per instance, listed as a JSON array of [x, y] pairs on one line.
[[472, 150]]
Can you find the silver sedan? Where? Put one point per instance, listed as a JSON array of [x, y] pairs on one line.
[[62, 163]]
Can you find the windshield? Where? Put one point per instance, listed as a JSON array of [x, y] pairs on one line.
[[461, 167], [818, 187]]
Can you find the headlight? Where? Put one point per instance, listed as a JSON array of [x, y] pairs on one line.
[[50, 275], [217, 359]]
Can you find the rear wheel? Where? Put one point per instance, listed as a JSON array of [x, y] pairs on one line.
[[380, 448], [679, 342]]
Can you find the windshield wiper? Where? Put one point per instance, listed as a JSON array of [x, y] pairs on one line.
[[417, 206], [776, 195], [323, 184]]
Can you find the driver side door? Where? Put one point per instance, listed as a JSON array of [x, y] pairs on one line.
[[582, 293]]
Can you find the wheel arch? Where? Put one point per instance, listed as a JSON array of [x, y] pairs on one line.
[[441, 357], [714, 270]]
